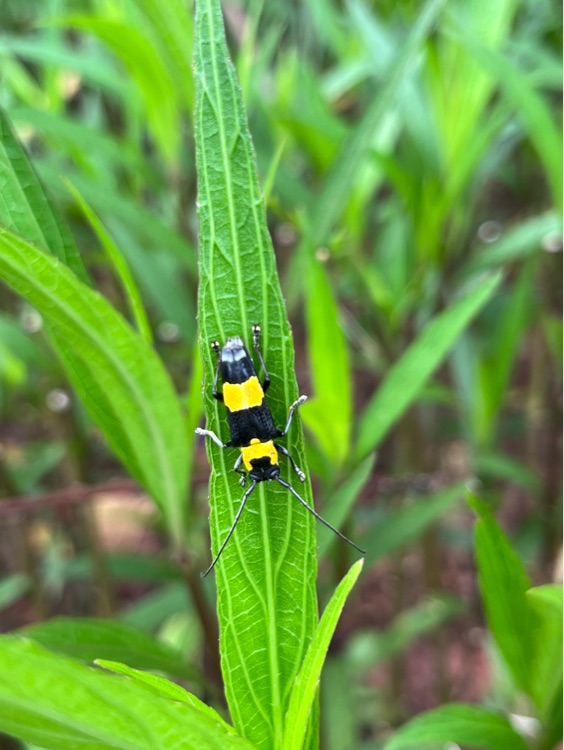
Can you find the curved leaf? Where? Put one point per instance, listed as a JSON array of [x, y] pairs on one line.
[[61, 704], [25, 206], [90, 638], [305, 686], [467, 725], [409, 374], [117, 374]]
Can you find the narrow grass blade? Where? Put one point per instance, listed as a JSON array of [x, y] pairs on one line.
[[400, 527], [118, 262], [266, 575], [12, 588], [331, 202], [517, 243], [25, 206], [546, 666], [307, 680], [503, 585], [171, 27], [118, 376], [458, 723], [339, 504], [407, 377], [61, 704], [44, 50], [146, 69], [514, 314], [533, 111], [369, 648], [329, 413]]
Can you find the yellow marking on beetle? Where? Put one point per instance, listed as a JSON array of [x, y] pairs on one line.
[[238, 396], [259, 450]]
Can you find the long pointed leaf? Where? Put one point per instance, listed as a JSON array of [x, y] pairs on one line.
[[467, 725], [503, 585], [118, 262], [119, 377], [407, 377], [26, 208], [266, 576], [305, 687]]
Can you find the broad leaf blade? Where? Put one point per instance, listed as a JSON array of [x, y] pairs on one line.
[[266, 576], [61, 704], [119, 377], [305, 686], [467, 725], [407, 377], [92, 638], [159, 685]]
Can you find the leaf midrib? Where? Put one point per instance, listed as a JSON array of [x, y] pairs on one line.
[[270, 599]]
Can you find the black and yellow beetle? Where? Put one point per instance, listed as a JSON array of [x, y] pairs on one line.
[[251, 426]]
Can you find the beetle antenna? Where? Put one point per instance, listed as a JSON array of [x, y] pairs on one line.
[[232, 529], [316, 514]]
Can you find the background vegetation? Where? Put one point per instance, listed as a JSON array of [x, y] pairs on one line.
[[410, 161]]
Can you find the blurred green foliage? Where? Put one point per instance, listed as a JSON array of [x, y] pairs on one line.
[[408, 151]]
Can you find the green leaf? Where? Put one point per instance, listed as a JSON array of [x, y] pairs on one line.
[[266, 575], [399, 527], [61, 704], [45, 51], [408, 375], [548, 598], [499, 466], [307, 680], [458, 723], [503, 585], [514, 315], [25, 206], [517, 243], [160, 686], [12, 588], [119, 264], [151, 610], [329, 413], [546, 666], [462, 88], [534, 112], [138, 434], [113, 369], [170, 25], [368, 648], [340, 502], [354, 151], [89, 639], [147, 70]]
